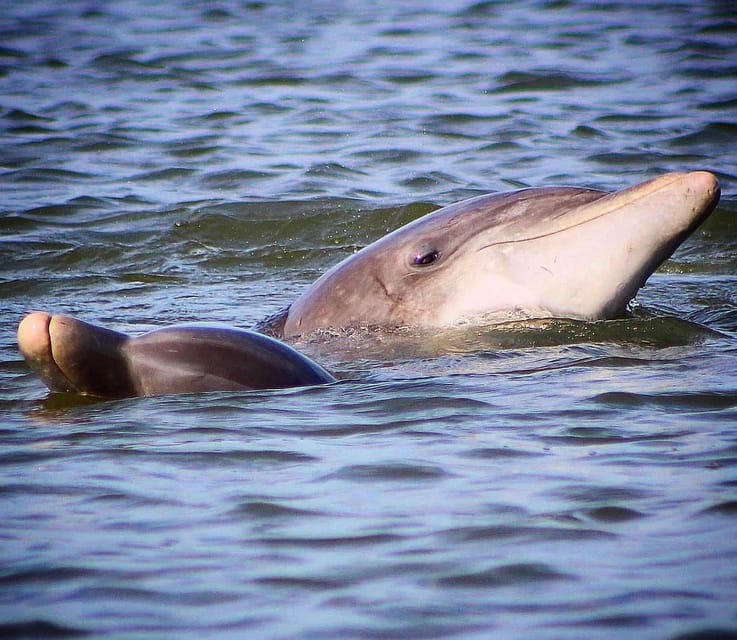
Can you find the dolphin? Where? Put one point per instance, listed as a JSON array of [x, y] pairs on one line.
[[73, 356], [534, 253], [560, 252]]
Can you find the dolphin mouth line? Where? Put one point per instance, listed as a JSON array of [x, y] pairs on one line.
[[73, 387], [573, 225], [54, 361]]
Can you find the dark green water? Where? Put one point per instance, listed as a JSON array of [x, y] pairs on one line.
[[170, 162]]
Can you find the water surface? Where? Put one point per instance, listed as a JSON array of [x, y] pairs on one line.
[[185, 161]]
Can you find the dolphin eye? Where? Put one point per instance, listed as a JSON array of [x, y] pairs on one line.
[[425, 256]]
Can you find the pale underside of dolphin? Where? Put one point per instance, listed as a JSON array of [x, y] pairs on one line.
[[558, 252]]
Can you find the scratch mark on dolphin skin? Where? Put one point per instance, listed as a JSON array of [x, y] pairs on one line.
[[395, 300]]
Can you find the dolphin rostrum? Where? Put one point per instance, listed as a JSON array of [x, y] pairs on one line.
[[557, 252], [70, 355]]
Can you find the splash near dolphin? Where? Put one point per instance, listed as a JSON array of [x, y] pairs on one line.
[[558, 252]]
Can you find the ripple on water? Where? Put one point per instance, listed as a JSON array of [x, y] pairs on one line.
[[503, 576], [40, 629], [726, 508], [389, 472], [504, 533], [701, 401], [269, 510], [520, 81]]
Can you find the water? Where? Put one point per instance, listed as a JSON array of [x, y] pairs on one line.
[[168, 162]]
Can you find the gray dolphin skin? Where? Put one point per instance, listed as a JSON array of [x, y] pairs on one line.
[[70, 355], [557, 252], [535, 253]]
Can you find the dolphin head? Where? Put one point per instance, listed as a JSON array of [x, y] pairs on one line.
[[536, 253]]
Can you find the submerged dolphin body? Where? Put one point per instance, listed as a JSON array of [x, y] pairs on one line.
[[535, 253]]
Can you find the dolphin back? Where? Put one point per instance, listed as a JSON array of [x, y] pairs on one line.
[[191, 359]]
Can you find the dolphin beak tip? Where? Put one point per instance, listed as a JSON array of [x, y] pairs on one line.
[[34, 339], [703, 182]]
